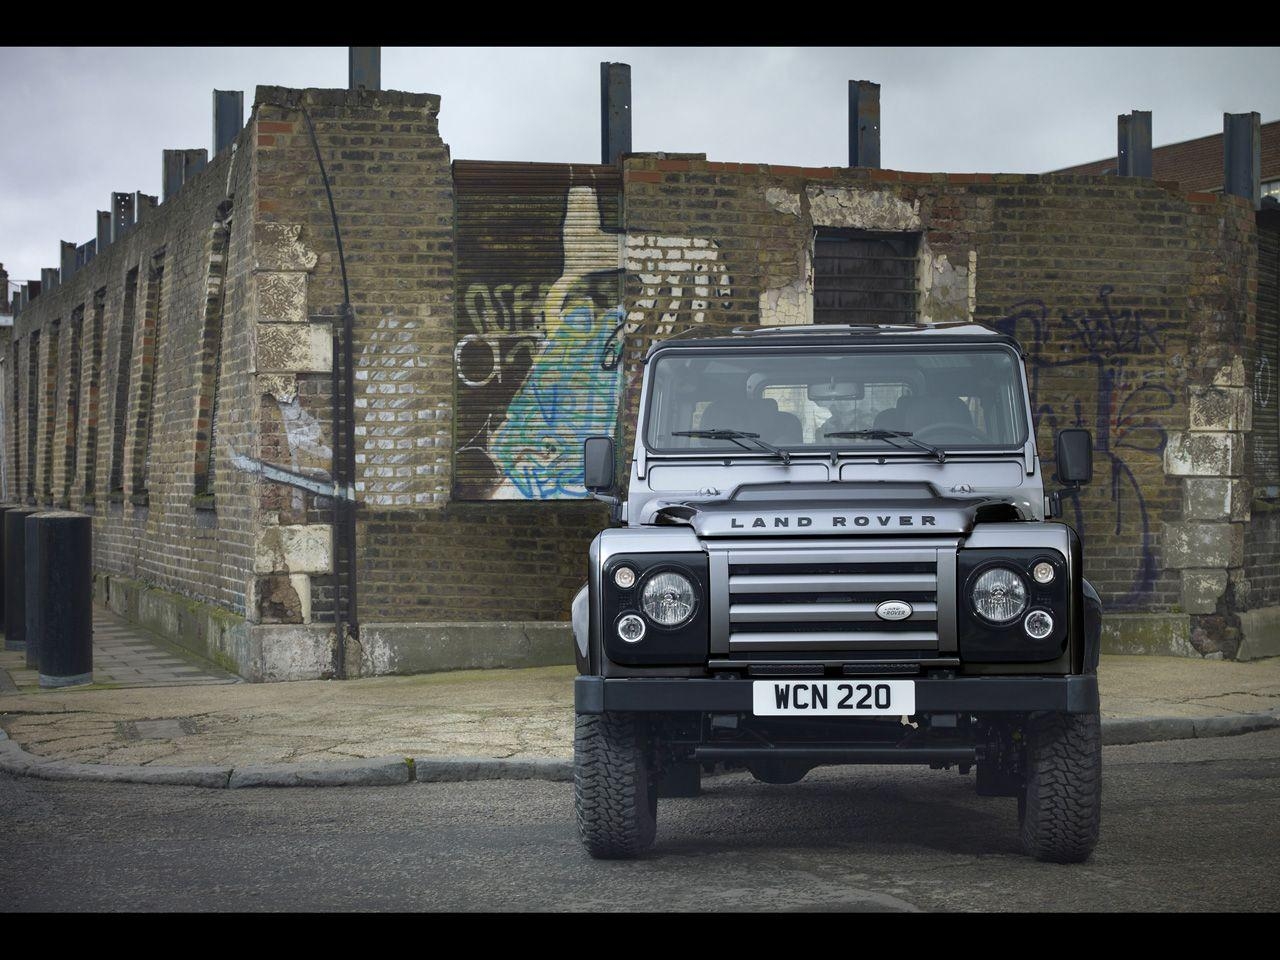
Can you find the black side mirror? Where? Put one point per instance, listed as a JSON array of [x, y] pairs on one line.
[[597, 464], [1074, 452]]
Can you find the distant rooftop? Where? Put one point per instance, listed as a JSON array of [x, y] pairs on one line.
[[1197, 164]]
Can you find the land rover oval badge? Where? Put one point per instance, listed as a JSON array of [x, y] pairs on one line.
[[893, 610]]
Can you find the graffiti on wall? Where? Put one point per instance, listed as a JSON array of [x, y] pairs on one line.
[[539, 359], [1098, 347]]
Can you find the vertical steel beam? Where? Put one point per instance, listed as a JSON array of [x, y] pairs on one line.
[[1242, 156], [171, 178], [1133, 144], [615, 111], [1122, 145], [864, 124], [143, 203], [364, 68], [68, 265], [121, 214], [193, 161], [228, 118]]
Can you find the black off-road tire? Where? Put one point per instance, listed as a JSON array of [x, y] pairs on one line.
[[1061, 808], [613, 786]]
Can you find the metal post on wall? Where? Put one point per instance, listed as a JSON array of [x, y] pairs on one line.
[[1133, 144], [364, 68], [228, 118], [864, 124], [615, 111], [1242, 156]]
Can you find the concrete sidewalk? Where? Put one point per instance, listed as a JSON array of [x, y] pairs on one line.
[[511, 714]]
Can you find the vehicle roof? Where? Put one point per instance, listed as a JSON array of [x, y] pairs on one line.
[[844, 335]]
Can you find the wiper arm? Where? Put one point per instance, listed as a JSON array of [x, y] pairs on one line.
[[938, 454], [736, 436]]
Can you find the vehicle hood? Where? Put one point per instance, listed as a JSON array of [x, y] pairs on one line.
[[829, 509]]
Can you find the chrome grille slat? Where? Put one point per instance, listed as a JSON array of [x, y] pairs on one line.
[[852, 640], [809, 612], [885, 583]]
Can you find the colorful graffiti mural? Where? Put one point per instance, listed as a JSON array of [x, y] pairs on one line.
[[1104, 342], [539, 355]]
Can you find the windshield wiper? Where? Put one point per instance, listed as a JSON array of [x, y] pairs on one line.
[[736, 436], [890, 435]]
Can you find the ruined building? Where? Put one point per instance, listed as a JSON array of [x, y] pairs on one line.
[[307, 458]]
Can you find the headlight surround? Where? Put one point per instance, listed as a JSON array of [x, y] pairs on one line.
[[668, 598], [999, 595]]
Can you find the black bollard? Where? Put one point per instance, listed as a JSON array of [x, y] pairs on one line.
[[15, 580], [31, 580], [4, 508], [64, 564]]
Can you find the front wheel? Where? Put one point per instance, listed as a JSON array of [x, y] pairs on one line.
[[1061, 807], [613, 785]]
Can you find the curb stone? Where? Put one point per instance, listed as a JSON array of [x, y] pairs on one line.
[[395, 770], [1153, 729], [377, 772], [455, 769]]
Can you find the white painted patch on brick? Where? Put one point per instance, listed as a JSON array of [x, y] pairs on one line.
[[784, 201], [295, 548], [861, 208]]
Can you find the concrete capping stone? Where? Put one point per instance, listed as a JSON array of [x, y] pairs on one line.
[[396, 648], [1196, 544], [1221, 409], [293, 548], [292, 348], [381, 771]]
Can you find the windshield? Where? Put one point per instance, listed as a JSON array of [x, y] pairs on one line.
[[950, 397]]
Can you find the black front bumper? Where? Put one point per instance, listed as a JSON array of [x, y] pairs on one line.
[[1003, 694]]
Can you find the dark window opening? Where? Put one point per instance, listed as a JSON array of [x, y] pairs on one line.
[[72, 423], [211, 360], [865, 277], [124, 374], [92, 398], [50, 403], [33, 411], [149, 344]]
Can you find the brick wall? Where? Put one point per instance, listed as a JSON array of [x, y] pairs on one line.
[[155, 533], [1135, 301], [1132, 298]]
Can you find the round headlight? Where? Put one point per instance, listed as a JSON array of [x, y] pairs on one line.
[[631, 628], [999, 595], [668, 599], [624, 577], [1038, 624], [1043, 572]]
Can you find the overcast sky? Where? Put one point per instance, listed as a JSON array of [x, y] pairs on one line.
[[79, 123]]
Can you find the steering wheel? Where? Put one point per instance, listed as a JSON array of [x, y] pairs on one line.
[[947, 432]]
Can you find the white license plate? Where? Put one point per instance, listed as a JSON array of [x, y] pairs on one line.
[[833, 698]]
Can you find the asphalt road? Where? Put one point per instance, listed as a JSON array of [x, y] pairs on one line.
[[1187, 825]]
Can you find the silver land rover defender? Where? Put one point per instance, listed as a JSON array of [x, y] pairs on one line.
[[835, 546]]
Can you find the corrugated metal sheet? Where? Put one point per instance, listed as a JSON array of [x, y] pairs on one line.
[[539, 294], [1266, 370], [864, 277]]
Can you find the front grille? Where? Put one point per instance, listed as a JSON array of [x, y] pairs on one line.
[[822, 598]]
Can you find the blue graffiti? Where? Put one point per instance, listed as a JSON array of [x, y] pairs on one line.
[[569, 395], [1126, 426]]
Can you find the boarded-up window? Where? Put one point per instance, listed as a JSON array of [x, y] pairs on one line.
[[124, 376], [864, 277], [49, 404], [539, 322]]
